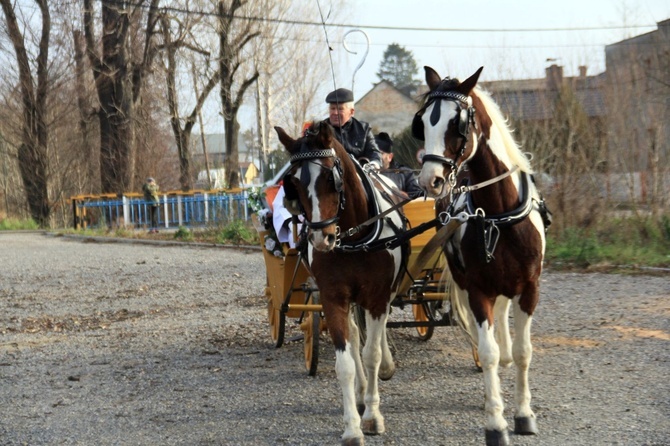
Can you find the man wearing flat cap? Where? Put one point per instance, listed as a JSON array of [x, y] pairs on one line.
[[356, 136], [401, 175]]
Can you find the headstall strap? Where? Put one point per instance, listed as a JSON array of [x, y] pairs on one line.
[[301, 156], [449, 95]]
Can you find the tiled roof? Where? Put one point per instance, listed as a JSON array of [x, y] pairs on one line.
[[533, 99]]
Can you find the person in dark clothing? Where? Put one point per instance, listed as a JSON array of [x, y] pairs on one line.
[[356, 136], [402, 176]]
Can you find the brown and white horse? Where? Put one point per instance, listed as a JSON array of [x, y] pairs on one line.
[[328, 188], [474, 165]]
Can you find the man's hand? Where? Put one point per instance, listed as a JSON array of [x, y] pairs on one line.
[[372, 166]]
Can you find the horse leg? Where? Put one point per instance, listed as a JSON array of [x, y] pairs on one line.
[[524, 418], [373, 421], [387, 367], [345, 368], [360, 382], [502, 336], [336, 313], [489, 356]]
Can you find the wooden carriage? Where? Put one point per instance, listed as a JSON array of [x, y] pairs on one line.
[[292, 293]]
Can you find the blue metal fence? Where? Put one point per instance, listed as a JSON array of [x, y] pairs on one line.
[[176, 209]]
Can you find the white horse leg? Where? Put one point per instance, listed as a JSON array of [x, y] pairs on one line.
[[489, 356], [502, 336], [360, 382], [524, 418], [373, 421], [345, 368]]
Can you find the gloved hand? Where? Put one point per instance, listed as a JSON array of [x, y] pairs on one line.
[[372, 166]]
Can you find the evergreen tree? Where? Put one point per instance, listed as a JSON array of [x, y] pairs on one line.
[[399, 68]]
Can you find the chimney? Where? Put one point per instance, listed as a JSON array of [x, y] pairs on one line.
[[554, 76], [582, 71]]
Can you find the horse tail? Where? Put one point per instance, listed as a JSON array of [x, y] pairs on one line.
[[460, 308]]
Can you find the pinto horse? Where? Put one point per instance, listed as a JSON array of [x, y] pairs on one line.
[[474, 167], [332, 192]]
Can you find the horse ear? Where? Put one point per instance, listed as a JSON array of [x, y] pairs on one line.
[[326, 133], [432, 78], [467, 85], [286, 140]]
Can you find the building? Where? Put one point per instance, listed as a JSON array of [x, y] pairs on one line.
[[535, 99], [216, 152], [386, 108], [638, 84]]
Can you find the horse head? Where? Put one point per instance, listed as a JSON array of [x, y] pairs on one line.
[[314, 186], [446, 123]]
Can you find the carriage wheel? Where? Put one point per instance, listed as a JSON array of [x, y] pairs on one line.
[[311, 328], [421, 314], [277, 324]]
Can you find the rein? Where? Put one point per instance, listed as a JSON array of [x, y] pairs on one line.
[[464, 189]]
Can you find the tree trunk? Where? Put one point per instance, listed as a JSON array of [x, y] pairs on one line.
[[119, 84], [232, 161], [229, 49], [32, 153]]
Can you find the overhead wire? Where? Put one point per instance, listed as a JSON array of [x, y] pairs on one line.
[[173, 9]]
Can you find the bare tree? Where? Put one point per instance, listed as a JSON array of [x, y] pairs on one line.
[[119, 70], [86, 114], [173, 41], [234, 35], [32, 152]]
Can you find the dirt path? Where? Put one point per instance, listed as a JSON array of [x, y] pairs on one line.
[[122, 344]]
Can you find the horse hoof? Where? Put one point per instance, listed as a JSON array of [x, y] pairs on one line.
[[525, 426], [385, 375], [360, 408], [353, 442], [373, 426], [497, 438]]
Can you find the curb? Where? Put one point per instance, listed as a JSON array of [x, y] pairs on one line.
[[167, 243]]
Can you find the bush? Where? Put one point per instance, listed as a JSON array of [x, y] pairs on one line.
[[238, 233], [183, 234], [618, 241]]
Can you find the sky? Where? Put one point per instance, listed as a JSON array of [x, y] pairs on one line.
[[504, 52]]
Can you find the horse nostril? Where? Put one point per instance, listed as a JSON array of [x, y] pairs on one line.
[[438, 182], [330, 239]]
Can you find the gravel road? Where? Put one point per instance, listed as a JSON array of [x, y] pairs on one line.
[[136, 344]]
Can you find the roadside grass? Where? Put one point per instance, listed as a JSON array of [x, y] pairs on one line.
[[236, 232], [615, 243], [14, 224]]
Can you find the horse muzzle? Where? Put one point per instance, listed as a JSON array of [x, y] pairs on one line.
[[323, 240]]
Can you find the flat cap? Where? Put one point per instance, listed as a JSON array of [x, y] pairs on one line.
[[340, 96], [384, 142]]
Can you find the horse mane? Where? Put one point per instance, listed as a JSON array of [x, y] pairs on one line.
[[517, 157]]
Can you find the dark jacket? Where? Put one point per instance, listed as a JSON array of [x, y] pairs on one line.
[[404, 178], [358, 140]]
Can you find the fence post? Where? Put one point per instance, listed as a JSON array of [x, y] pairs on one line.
[[165, 211], [75, 214], [126, 210], [206, 198], [180, 218]]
